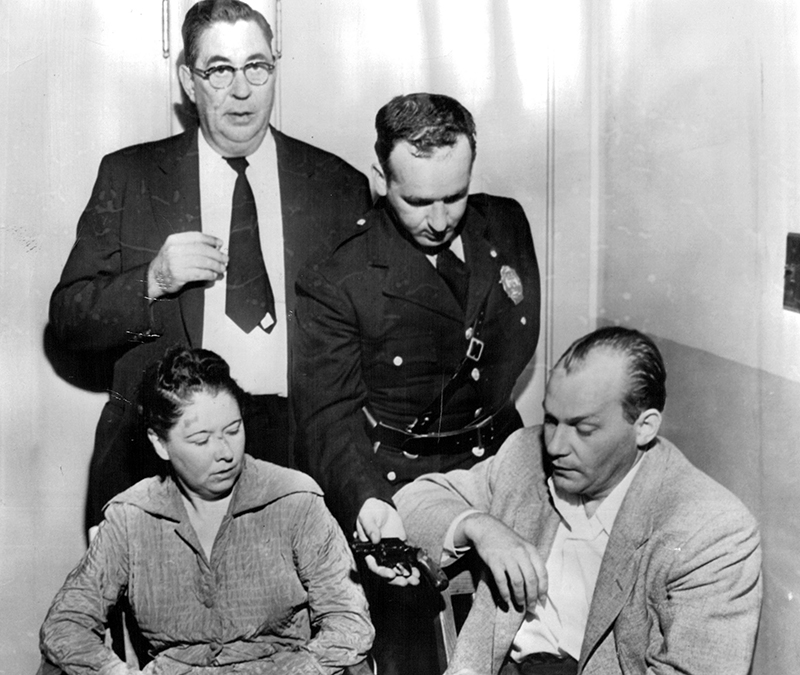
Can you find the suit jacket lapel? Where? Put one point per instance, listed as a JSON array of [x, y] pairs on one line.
[[175, 200], [537, 521], [620, 567], [531, 514]]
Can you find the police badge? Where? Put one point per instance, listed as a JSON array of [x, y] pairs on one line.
[[512, 284]]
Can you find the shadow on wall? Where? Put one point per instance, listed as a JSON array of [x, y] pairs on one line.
[[88, 370]]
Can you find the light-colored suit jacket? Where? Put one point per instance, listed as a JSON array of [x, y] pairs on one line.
[[679, 588]]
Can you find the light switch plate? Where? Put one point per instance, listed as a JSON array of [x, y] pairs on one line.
[[791, 275]]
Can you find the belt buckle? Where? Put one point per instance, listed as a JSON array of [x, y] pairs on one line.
[[475, 349]]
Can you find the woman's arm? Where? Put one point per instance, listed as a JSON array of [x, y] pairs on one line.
[[341, 629], [72, 635]]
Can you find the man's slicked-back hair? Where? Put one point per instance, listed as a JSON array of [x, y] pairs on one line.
[[646, 372], [426, 121], [206, 13], [170, 384]]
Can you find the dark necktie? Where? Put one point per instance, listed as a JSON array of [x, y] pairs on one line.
[[455, 274], [249, 294]]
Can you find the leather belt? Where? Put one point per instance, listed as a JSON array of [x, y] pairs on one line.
[[541, 664], [476, 438]]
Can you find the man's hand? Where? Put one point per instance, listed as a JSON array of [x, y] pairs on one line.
[[378, 519], [184, 258], [518, 571]]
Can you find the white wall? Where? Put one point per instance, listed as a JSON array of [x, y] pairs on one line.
[[698, 174]]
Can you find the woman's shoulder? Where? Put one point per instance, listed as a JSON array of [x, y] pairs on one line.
[[264, 483], [152, 495]]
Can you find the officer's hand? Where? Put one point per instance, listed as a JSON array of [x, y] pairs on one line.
[[184, 258], [376, 520], [515, 564]]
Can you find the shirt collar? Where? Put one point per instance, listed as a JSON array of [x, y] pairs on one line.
[[254, 489], [265, 153], [571, 507]]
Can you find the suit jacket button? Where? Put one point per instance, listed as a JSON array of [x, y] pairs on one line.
[[391, 476], [475, 374], [361, 222], [523, 321], [397, 360]]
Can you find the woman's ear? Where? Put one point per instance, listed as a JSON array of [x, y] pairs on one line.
[[158, 445], [647, 427]]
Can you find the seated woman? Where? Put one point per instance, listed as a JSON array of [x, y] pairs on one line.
[[230, 564]]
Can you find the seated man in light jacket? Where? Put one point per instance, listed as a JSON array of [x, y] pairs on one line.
[[605, 551]]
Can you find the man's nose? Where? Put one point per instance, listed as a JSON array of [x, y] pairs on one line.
[[437, 217], [556, 441], [240, 87]]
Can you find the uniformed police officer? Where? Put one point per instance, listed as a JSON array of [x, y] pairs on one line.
[[412, 334]]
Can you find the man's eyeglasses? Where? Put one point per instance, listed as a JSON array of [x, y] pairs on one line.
[[221, 77]]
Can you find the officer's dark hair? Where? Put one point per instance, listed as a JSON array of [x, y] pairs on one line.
[[646, 372], [170, 384], [206, 13], [426, 121]]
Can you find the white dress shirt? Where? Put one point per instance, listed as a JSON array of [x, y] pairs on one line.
[[258, 359], [558, 625]]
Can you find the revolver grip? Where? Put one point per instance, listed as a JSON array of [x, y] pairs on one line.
[[431, 571]]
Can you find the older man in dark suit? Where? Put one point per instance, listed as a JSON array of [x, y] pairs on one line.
[[197, 239]]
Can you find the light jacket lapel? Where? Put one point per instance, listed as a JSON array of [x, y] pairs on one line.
[[534, 518], [176, 208], [620, 567]]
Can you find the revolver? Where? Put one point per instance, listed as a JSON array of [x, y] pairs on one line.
[[391, 552]]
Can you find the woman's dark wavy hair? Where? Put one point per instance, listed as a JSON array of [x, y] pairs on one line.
[[646, 372], [206, 13], [427, 121], [170, 384]]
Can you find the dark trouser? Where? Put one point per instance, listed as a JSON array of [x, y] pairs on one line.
[[541, 664], [405, 639], [123, 455], [267, 431]]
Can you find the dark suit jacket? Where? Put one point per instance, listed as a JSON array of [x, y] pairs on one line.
[[378, 327], [143, 194], [679, 588]]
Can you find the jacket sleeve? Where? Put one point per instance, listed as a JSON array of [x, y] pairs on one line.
[[329, 393], [709, 602], [429, 504], [98, 305], [341, 630], [72, 635]]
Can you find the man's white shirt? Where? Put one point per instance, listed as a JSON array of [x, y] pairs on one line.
[[258, 359], [558, 624]]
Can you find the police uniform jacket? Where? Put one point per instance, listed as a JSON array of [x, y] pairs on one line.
[[379, 329]]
